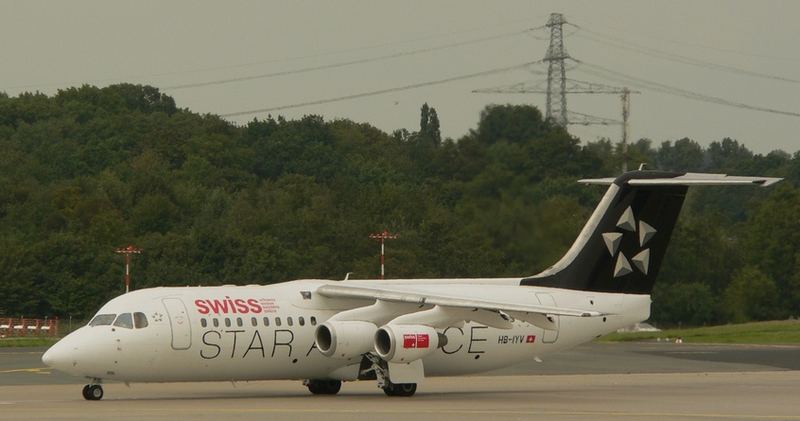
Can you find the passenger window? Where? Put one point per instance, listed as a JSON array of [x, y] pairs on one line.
[[301, 320], [277, 321], [216, 323], [103, 320], [254, 321], [124, 320], [313, 321], [289, 321], [139, 320], [227, 322], [203, 322], [239, 321], [266, 321]]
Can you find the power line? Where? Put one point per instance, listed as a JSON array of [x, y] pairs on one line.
[[704, 46], [628, 46], [607, 73], [381, 91], [274, 60], [344, 63]]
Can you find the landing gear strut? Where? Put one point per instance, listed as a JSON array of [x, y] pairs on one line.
[[93, 392], [381, 370], [399, 389], [323, 387]]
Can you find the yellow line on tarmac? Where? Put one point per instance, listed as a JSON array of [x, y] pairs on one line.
[[37, 370]]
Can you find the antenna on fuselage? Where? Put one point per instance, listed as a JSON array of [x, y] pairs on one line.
[[347, 276]]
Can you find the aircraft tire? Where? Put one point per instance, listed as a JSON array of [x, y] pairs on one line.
[[93, 392], [400, 389], [324, 387]]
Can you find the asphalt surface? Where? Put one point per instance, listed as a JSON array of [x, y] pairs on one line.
[[19, 366], [593, 381], [736, 396]]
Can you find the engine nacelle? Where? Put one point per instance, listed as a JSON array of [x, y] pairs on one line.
[[345, 339], [406, 343]]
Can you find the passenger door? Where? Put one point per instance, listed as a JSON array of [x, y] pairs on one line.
[[179, 323]]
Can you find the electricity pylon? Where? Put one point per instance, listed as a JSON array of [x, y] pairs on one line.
[[557, 84]]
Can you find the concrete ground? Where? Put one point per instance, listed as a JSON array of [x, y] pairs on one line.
[[594, 381]]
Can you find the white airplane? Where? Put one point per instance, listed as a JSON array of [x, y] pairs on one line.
[[398, 331]]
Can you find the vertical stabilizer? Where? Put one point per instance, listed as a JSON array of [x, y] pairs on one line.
[[621, 247]]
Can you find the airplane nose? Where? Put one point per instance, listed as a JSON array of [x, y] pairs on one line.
[[61, 356], [53, 357]]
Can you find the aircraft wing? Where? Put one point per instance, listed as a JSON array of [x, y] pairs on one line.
[[407, 305]]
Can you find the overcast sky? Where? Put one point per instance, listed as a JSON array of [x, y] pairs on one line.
[[51, 45]]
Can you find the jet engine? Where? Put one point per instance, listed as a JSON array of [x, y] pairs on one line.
[[406, 343], [345, 339]]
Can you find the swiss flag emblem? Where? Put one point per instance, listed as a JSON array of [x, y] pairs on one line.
[[530, 339], [416, 340]]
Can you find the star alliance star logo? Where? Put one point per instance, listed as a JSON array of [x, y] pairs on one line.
[[627, 222]]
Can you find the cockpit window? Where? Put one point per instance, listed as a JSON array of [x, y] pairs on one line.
[[103, 320], [140, 320], [124, 320]]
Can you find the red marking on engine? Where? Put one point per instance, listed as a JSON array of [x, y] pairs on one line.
[[416, 340]]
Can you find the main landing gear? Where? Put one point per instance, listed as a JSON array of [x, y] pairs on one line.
[[399, 389], [93, 392], [381, 371], [323, 387]]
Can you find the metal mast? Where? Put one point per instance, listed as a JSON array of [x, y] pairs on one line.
[[557, 84], [626, 108], [383, 236], [556, 108], [127, 251]]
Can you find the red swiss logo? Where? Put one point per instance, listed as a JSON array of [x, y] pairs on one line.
[[416, 340], [530, 339]]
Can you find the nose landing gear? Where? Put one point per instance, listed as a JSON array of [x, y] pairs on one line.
[[93, 392]]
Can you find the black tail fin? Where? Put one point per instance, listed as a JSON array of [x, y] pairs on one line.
[[621, 247]]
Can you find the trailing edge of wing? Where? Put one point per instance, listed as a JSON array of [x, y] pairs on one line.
[[421, 299]]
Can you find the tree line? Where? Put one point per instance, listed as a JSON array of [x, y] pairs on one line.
[[89, 169]]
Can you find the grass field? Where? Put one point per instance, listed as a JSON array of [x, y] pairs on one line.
[[29, 341], [775, 332]]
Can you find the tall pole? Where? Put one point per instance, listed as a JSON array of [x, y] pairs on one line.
[[556, 106], [127, 251], [626, 108], [383, 236]]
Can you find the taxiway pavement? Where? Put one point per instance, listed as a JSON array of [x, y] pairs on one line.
[[594, 381]]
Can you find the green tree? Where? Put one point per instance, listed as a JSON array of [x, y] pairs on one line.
[[752, 295], [684, 304]]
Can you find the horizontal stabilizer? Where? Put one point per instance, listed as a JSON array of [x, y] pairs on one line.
[[688, 179]]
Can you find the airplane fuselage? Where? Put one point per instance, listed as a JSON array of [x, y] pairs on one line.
[[267, 332]]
